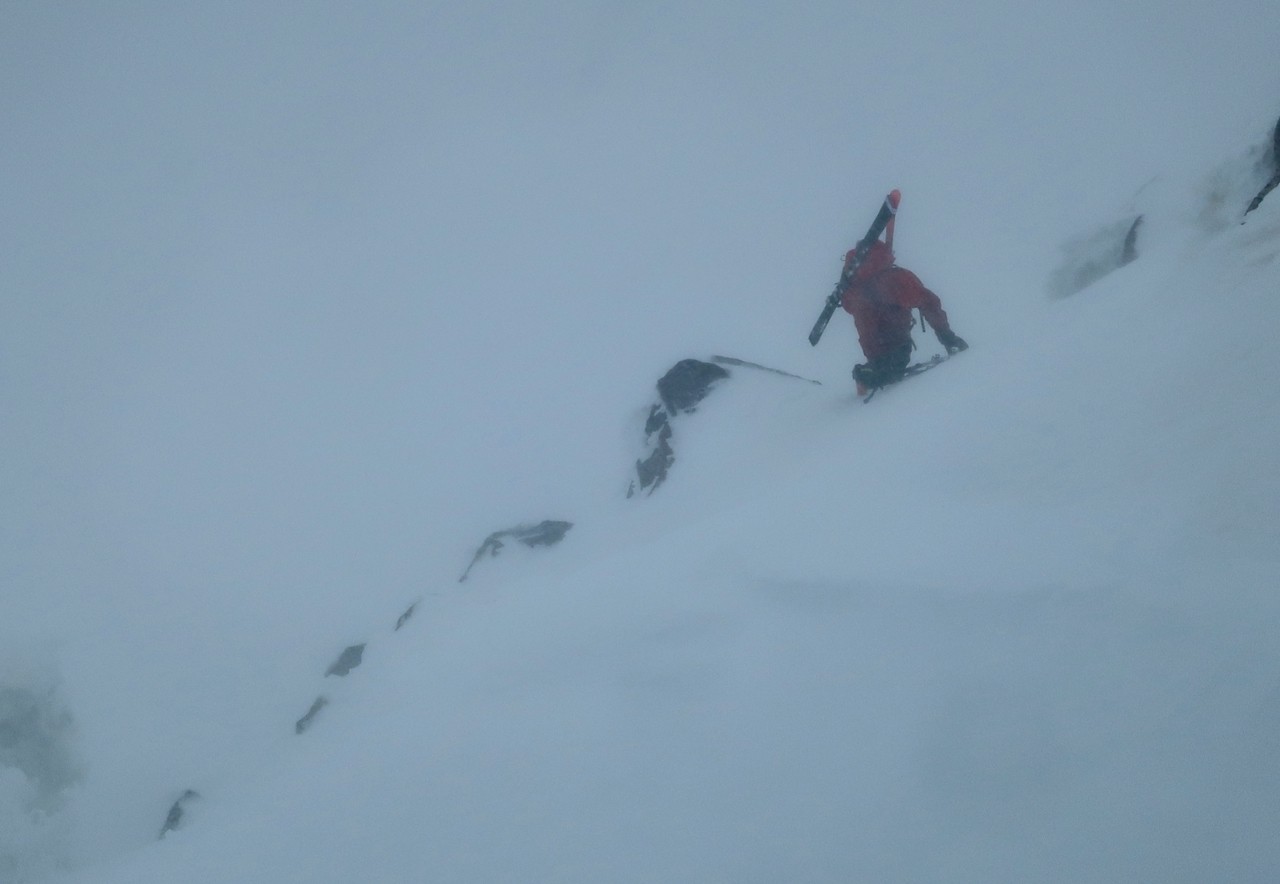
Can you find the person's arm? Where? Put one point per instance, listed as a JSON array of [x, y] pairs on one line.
[[911, 293]]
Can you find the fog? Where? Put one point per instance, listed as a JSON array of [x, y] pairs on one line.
[[299, 302]]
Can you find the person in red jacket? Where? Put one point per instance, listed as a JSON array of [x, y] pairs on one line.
[[881, 298]]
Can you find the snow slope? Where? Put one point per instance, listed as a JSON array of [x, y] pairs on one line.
[[306, 307], [996, 625]]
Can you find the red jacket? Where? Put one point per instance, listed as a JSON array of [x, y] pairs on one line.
[[881, 299]]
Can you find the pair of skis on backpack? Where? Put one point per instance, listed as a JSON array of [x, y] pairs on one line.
[[883, 221]]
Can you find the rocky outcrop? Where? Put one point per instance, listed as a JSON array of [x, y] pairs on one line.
[[651, 470], [178, 811], [680, 390], [687, 383], [548, 532], [305, 722], [545, 533], [1088, 258], [404, 618], [1273, 163], [349, 659]]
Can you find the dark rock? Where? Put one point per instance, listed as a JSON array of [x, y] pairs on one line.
[[651, 471], [1274, 164], [1088, 258], [688, 383], [404, 618], [349, 659], [173, 820], [1129, 251], [548, 532], [1262, 194], [657, 421], [306, 721], [680, 390]]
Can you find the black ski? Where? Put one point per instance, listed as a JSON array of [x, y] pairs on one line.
[[911, 371], [887, 211]]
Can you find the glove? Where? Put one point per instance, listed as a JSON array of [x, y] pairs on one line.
[[952, 341]]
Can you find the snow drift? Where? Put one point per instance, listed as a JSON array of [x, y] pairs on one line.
[[1019, 628]]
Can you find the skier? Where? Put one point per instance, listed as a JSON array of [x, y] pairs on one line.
[[881, 297]]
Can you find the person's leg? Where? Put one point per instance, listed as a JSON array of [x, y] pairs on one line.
[[882, 370], [895, 363]]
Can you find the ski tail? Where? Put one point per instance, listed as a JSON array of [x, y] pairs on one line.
[[884, 219], [828, 310]]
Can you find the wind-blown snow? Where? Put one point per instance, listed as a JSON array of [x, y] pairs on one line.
[[299, 306]]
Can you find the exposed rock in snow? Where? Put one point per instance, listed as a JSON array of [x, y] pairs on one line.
[[178, 811], [651, 470], [687, 383], [680, 391], [306, 721], [404, 618], [349, 659], [548, 532], [1272, 162], [1088, 258]]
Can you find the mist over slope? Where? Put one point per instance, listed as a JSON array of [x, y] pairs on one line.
[[993, 625], [300, 307]]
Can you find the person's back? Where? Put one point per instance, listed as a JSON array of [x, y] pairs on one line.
[[880, 299]]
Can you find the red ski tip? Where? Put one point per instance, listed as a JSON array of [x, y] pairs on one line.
[[894, 197]]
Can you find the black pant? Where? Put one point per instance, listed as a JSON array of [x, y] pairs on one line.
[[884, 369]]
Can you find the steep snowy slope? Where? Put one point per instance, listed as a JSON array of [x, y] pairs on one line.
[[1014, 620], [298, 305]]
